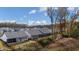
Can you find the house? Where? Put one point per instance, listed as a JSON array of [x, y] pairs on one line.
[[45, 31], [19, 36], [38, 32], [33, 33], [10, 37], [2, 30]]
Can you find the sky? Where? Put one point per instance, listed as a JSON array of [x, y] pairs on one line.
[[28, 15], [25, 15]]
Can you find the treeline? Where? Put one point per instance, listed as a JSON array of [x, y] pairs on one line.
[[41, 26], [13, 25], [65, 17]]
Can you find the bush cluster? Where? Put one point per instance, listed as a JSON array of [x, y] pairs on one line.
[[45, 41], [65, 34], [74, 32]]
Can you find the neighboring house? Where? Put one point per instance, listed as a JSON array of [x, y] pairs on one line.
[[38, 32], [10, 37], [45, 31], [19, 36], [16, 29], [33, 33], [2, 30]]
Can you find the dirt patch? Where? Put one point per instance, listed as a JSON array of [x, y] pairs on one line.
[[65, 44]]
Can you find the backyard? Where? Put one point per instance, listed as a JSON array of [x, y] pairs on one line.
[[43, 44]]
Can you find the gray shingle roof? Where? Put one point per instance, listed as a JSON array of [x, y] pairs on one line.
[[34, 32], [45, 30], [19, 34], [15, 34], [39, 31]]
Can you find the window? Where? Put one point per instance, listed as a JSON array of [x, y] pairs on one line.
[[11, 40]]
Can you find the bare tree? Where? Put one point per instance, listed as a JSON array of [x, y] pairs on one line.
[[62, 14], [51, 13], [73, 17], [58, 15]]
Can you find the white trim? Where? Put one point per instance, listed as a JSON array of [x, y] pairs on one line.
[[4, 38]]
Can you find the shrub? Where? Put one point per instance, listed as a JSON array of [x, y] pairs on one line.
[[50, 38], [74, 32], [45, 41], [65, 34]]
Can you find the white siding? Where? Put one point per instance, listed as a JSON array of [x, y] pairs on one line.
[[4, 38]]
